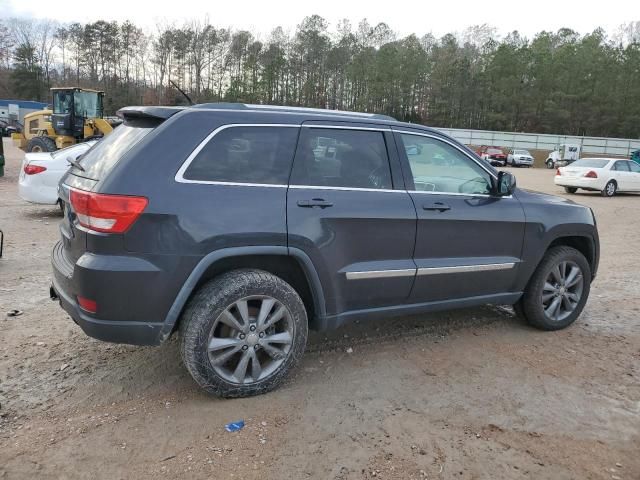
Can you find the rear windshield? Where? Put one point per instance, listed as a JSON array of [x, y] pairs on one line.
[[100, 159], [590, 163]]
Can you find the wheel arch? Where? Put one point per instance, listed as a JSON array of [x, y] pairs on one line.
[[290, 264], [583, 243]]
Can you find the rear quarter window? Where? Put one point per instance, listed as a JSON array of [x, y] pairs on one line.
[[258, 155], [104, 155]]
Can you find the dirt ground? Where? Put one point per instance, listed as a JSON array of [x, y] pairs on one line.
[[470, 394]]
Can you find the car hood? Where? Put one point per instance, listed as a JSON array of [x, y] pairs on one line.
[[544, 197]]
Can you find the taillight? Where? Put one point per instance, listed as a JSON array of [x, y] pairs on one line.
[[591, 174], [88, 305], [106, 213], [558, 172], [33, 169]]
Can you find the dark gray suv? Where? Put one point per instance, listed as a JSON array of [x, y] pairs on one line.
[[242, 226]]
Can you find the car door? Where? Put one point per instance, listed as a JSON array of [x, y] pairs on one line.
[[348, 210], [622, 175], [468, 242], [634, 176]]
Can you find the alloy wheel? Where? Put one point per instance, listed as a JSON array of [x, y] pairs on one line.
[[562, 290], [250, 339]]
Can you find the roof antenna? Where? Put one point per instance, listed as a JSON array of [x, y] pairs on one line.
[[182, 92]]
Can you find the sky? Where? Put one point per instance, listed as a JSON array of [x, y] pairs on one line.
[[405, 17]]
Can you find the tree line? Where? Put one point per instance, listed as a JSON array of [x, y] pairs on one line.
[[557, 82]]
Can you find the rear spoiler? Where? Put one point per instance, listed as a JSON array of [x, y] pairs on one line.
[[158, 113]]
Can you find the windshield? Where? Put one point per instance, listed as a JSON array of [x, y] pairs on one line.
[[493, 150], [522, 152], [98, 161], [591, 163]]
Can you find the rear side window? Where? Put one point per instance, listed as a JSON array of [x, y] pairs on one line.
[[621, 166], [590, 163], [341, 158], [104, 155], [260, 155]]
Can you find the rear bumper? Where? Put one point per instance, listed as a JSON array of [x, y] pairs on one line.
[[133, 333], [126, 289], [578, 182]]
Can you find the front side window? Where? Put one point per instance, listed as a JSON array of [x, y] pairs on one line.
[[440, 167], [634, 167], [342, 158], [260, 155]]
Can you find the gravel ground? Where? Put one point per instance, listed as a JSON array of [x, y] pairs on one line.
[[469, 394]]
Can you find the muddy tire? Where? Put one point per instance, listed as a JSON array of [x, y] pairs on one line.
[[549, 164], [41, 144], [558, 289], [242, 333]]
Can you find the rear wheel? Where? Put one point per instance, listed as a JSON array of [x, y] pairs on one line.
[[609, 189], [242, 333], [41, 144], [558, 289], [570, 189]]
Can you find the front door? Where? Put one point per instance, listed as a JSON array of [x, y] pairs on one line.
[[348, 210], [634, 176], [468, 242]]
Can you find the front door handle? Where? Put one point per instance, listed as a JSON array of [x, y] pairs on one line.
[[315, 202], [439, 206]]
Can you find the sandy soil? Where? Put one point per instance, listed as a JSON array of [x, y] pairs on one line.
[[471, 394]]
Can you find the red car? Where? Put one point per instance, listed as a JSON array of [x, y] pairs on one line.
[[494, 155]]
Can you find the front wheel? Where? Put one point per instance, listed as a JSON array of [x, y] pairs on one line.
[[242, 333], [558, 289], [549, 164], [570, 189]]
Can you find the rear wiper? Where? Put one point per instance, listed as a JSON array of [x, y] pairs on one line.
[[76, 164]]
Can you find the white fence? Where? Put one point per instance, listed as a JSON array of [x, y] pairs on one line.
[[538, 141]]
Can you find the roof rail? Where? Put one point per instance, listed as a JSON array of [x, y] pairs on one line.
[[285, 108]]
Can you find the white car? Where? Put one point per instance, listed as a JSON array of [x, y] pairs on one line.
[[605, 175], [41, 172], [518, 157]]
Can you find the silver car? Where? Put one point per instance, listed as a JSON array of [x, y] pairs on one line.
[[518, 157]]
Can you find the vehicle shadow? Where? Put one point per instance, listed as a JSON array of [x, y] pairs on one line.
[[115, 373], [436, 324]]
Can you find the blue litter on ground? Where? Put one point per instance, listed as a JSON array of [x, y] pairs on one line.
[[234, 426]]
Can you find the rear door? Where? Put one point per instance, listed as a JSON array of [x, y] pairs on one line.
[[347, 209], [623, 175], [468, 243]]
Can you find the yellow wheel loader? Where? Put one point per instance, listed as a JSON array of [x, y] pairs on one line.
[[76, 116]]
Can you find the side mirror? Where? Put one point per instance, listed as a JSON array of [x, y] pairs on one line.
[[505, 185]]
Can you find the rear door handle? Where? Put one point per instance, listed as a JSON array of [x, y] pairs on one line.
[[315, 202], [439, 206]]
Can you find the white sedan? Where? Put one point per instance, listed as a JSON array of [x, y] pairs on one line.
[[605, 175], [41, 172]]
